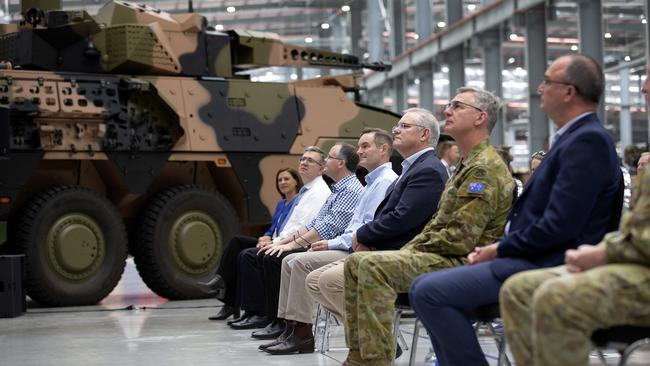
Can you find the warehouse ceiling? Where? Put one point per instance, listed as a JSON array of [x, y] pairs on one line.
[[326, 23]]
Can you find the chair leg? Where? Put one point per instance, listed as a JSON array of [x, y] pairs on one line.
[[625, 355], [322, 329], [414, 343], [601, 356]]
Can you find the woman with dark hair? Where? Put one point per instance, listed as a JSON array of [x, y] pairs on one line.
[[224, 284]]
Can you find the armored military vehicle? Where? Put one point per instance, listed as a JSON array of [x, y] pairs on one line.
[[134, 131]]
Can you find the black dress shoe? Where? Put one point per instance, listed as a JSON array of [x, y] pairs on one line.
[[255, 321], [216, 286], [225, 312], [271, 331], [292, 345], [247, 314]]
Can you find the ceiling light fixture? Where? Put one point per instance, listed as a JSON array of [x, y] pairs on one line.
[[309, 40], [345, 8], [325, 26], [608, 35], [574, 48], [218, 27], [231, 9], [442, 24], [513, 36], [471, 7]]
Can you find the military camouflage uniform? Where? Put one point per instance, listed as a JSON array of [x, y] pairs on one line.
[[472, 212], [550, 314]]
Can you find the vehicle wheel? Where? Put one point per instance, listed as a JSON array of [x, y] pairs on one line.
[[182, 236], [75, 246]]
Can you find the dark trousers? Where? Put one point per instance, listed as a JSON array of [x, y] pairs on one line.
[[259, 281], [439, 299], [229, 266]]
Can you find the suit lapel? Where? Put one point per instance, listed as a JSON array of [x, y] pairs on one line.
[[392, 186]]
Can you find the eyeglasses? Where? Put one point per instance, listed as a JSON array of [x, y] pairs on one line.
[[404, 126], [454, 105], [308, 160], [548, 81], [332, 157]]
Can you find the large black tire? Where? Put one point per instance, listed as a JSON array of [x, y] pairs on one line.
[[182, 235], [75, 246]]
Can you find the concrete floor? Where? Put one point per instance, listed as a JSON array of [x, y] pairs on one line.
[[133, 326]]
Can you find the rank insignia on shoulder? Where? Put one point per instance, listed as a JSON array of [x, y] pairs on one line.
[[476, 187]]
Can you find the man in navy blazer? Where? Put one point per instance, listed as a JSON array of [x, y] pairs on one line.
[[569, 201], [413, 198], [409, 203]]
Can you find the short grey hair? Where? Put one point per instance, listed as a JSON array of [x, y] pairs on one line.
[[486, 101], [425, 119], [317, 150]]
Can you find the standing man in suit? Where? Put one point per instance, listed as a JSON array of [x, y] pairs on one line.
[[471, 212], [568, 201], [409, 203], [613, 274]]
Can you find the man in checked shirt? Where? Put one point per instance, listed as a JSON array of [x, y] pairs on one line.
[[262, 268]]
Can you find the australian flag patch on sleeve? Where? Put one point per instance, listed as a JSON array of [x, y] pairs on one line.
[[476, 187]]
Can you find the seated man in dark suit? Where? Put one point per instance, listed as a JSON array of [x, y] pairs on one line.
[[409, 203], [601, 286], [567, 202]]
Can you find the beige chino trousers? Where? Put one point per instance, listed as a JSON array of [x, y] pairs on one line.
[[294, 302], [326, 287]]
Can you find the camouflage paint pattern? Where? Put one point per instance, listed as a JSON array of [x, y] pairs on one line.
[[135, 101], [464, 220], [550, 314]]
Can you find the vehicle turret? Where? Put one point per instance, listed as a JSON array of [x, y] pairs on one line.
[[129, 38]]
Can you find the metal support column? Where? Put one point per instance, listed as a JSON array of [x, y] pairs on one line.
[[455, 56], [590, 30], [356, 27], [375, 24], [538, 127], [424, 72], [625, 116], [375, 30], [397, 46], [492, 65]]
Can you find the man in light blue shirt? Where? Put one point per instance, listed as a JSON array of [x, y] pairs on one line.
[[295, 305]]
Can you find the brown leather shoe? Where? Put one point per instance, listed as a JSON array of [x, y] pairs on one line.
[[301, 340], [288, 330], [292, 345]]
